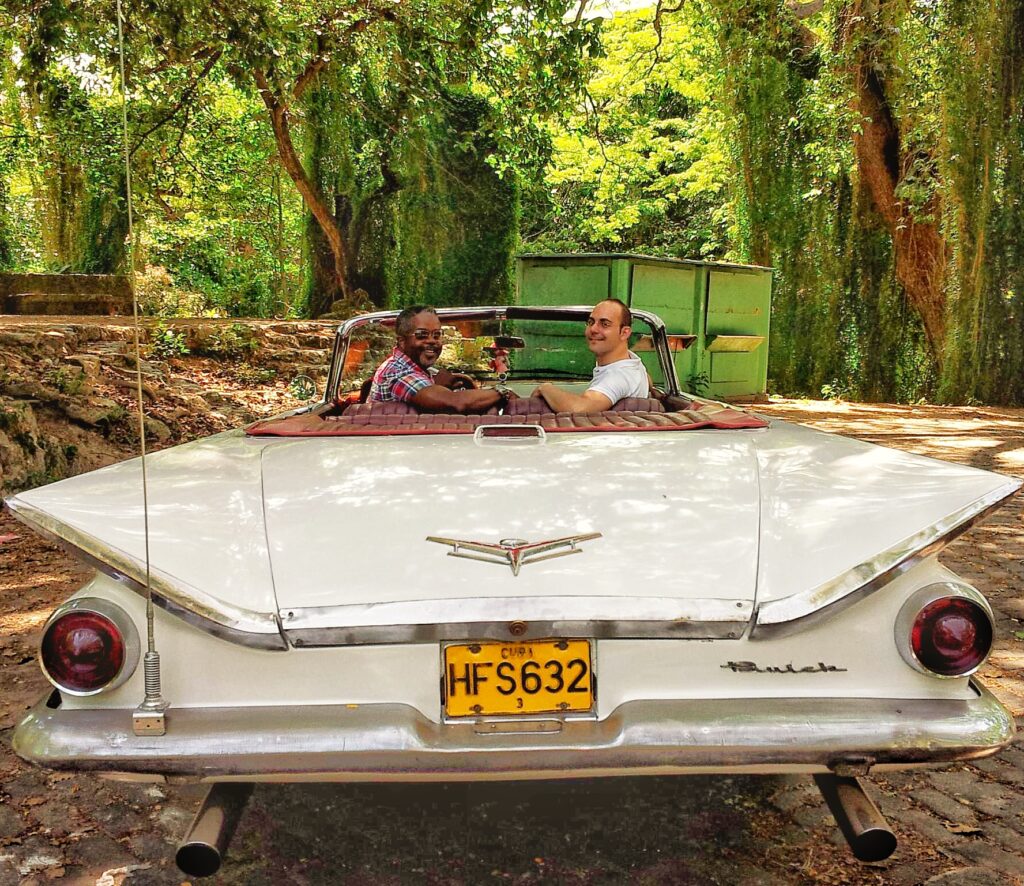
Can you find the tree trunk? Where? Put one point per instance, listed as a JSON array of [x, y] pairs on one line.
[[322, 289], [311, 195], [921, 252]]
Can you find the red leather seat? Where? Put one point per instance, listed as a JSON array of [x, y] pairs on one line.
[[527, 406], [380, 407], [638, 404]]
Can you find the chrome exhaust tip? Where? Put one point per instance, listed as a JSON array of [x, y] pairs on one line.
[[866, 831], [202, 851]]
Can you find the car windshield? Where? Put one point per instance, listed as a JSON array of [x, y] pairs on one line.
[[520, 350]]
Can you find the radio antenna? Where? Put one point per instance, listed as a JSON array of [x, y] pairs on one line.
[[149, 718]]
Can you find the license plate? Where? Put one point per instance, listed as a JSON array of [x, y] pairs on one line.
[[532, 677]]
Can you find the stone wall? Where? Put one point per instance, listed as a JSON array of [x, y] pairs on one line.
[[65, 294], [68, 387]]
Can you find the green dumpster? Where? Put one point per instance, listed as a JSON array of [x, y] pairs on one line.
[[719, 312]]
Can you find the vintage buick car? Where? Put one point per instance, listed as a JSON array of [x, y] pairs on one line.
[[359, 592]]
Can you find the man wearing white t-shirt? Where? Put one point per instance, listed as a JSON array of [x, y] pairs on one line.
[[619, 372]]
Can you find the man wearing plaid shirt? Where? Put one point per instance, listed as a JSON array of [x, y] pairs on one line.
[[405, 375]]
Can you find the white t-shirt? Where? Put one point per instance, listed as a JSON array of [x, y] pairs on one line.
[[621, 379]]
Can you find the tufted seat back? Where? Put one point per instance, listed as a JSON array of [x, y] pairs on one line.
[[380, 407], [638, 404], [527, 406]]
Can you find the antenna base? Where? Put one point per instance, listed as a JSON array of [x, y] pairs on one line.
[[149, 718]]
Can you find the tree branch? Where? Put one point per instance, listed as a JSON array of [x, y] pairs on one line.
[[315, 66], [307, 189], [805, 10], [185, 96]]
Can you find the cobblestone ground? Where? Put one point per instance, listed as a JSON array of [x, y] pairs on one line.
[[962, 826]]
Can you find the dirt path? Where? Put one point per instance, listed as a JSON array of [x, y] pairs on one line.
[[963, 825]]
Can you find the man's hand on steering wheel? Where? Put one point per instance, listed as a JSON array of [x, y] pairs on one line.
[[455, 381]]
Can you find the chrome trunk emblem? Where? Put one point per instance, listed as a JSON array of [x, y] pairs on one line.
[[514, 552]]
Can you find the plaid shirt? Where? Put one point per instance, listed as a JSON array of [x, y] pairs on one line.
[[398, 378]]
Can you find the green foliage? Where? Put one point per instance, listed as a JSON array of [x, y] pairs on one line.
[[453, 232], [208, 199], [643, 164], [980, 62], [65, 381], [166, 344], [26, 441], [421, 156], [228, 228], [228, 342], [432, 133]]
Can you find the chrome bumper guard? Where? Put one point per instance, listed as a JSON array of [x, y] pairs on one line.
[[390, 742]]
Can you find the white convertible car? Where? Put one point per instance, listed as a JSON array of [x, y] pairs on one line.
[[358, 592]]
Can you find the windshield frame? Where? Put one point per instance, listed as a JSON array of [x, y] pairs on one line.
[[579, 313]]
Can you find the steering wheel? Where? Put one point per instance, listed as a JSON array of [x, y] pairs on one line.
[[456, 381]]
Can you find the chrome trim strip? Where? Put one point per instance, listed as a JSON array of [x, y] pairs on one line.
[[516, 618], [234, 624], [392, 742], [797, 612], [515, 553]]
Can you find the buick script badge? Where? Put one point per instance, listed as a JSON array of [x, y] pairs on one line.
[[514, 552]]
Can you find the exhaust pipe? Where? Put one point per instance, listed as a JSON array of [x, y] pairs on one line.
[[202, 851], [867, 832]]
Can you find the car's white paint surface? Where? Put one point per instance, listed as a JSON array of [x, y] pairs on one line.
[[263, 525], [677, 520], [202, 671], [205, 522]]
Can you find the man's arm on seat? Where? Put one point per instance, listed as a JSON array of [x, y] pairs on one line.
[[438, 398], [566, 401]]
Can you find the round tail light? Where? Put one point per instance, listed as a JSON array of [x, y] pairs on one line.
[[951, 636], [88, 645]]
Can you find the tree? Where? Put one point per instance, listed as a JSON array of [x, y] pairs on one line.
[[641, 164], [897, 173], [393, 62]]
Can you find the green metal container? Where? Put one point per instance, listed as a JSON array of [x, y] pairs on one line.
[[720, 312]]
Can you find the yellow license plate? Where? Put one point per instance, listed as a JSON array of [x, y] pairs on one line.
[[531, 677]]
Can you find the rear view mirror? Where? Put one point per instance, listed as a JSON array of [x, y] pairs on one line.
[[509, 342]]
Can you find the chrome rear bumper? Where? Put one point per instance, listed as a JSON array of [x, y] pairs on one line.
[[396, 743]]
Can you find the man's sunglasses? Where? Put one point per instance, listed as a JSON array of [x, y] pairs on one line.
[[428, 335]]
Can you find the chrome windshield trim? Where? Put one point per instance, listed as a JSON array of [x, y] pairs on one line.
[[498, 312], [800, 611], [234, 624], [516, 618], [394, 742]]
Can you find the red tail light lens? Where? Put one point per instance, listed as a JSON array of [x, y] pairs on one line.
[[82, 652], [951, 636]]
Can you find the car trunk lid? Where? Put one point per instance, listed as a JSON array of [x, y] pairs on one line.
[[349, 524]]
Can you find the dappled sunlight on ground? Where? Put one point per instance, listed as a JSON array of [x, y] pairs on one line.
[[1013, 460], [968, 443], [21, 622], [40, 581], [985, 436]]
